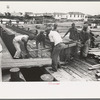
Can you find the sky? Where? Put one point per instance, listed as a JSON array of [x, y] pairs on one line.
[[92, 8]]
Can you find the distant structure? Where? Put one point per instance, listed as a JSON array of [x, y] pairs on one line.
[[18, 14], [57, 15], [75, 16]]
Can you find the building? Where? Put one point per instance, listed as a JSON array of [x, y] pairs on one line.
[[75, 16], [18, 14], [37, 14], [57, 15]]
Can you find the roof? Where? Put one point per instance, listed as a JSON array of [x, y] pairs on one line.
[[1, 14], [59, 13], [76, 13], [16, 14]]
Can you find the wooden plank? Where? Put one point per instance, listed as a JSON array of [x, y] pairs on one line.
[[82, 78], [8, 61], [95, 53], [57, 75], [81, 72], [87, 72], [5, 53], [0, 67], [77, 77], [86, 67], [26, 62], [66, 75], [87, 64], [9, 31], [97, 66]]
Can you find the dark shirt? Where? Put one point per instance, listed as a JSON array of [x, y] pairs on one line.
[[40, 37], [84, 36], [92, 36], [74, 35], [47, 32]]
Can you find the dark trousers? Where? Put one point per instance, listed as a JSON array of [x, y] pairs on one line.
[[39, 47], [74, 51], [55, 55]]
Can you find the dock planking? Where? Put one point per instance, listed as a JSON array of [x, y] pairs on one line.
[[77, 71], [7, 60], [0, 67], [85, 70], [57, 75]]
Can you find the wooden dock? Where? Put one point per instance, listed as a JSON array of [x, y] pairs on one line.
[[76, 70], [8, 62]]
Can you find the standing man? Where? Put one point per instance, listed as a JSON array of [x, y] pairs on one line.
[[40, 39], [47, 31], [85, 41], [55, 37], [74, 35], [20, 44]]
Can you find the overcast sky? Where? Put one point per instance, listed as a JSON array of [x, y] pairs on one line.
[[40, 7]]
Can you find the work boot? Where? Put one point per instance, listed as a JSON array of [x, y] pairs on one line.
[[85, 58], [53, 69], [59, 66]]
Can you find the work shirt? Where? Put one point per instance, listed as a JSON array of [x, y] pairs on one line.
[[84, 36], [55, 37], [19, 37], [73, 34], [40, 37]]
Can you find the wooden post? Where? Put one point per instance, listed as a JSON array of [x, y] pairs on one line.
[[0, 67]]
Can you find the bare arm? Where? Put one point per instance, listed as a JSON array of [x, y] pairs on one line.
[[25, 44], [66, 33]]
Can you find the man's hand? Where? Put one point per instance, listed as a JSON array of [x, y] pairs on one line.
[[63, 37], [79, 44]]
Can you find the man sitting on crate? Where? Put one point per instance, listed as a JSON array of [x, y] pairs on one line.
[[20, 44], [55, 38]]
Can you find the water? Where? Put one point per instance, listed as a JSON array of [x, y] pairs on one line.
[[30, 74]]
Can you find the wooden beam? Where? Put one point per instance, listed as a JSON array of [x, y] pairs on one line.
[[9, 31], [90, 67], [24, 63], [97, 66], [0, 67], [56, 75]]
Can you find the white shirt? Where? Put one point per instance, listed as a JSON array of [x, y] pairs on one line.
[[55, 37], [0, 47], [19, 37]]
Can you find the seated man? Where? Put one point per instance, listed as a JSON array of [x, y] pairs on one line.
[[20, 44]]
